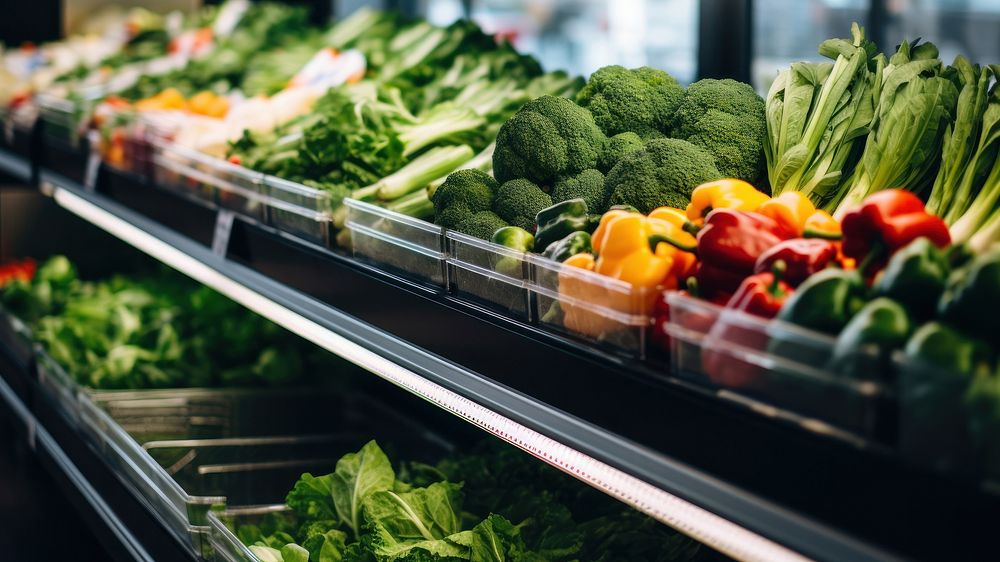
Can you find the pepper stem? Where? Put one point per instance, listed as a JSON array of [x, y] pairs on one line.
[[692, 286], [810, 233], [691, 228], [655, 240], [874, 255], [778, 269]]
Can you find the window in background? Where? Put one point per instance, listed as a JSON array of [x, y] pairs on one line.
[[581, 36], [966, 27], [785, 31]]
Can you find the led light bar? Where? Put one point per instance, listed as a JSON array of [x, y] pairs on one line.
[[696, 522]]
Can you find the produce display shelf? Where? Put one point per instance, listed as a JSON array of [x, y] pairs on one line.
[[692, 460], [14, 165]]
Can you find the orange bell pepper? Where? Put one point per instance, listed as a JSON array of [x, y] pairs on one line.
[[796, 213]]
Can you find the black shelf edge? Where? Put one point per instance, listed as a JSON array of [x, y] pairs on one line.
[[15, 166], [121, 524], [680, 480]]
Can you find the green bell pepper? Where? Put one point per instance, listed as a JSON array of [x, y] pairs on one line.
[[940, 346], [826, 301], [971, 298], [576, 243], [561, 220], [515, 238], [915, 277], [882, 326]]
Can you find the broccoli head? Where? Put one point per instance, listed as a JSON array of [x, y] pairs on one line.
[[547, 138], [518, 201], [663, 173], [464, 192], [481, 225], [587, 185], [736, 142], [726, 118], [451, 217], [640, 100], [615, 148]]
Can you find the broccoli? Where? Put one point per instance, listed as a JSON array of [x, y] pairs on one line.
[[472, 189], [663, 173], [547, 138], [587, 185], [481, 225], [518, 201], [451, 217], [640, 100], [726, 118], [615, 148]]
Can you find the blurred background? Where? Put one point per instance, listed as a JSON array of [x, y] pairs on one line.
[[745, 39]]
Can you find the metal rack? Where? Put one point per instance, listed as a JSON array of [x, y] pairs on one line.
[[743, 480]]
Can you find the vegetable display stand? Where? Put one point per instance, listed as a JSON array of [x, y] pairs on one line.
[[774, 363], [489, 275], [299, 210], [609, 313], [402, 245]]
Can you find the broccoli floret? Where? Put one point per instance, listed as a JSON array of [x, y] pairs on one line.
[[518, 201], [726, 118], [472, 189], [736, 142], [640, 100], [547, 138], [481, 225], [451, 217], [587, 185], [615, 148], [663, 173]]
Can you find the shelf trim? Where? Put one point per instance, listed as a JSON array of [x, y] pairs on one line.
[[15, 165], [729, 534]]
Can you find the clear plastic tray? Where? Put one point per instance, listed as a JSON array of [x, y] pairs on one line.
[[606, 312], [17, 337], [64, 120], [489, 274], [226, 546], [58, 385], [299, 210], [947, 423], [172, 169], [18, 123], [774, 363], [402, 245]]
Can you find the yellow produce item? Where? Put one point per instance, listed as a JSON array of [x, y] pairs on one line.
[[723, 194], [797, 214], [628, 249]]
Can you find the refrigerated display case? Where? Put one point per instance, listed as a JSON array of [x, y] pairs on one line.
[[454, 339]]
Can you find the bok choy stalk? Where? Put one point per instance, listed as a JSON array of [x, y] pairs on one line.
[[915, 106], [818, 113]]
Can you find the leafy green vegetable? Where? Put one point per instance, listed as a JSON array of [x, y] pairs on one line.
[[357, 476]]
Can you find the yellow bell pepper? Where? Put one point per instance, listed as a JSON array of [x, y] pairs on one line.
[[627, 250], [171, 98], [723, 194], [797, 214]]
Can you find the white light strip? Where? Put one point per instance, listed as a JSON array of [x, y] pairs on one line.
[[702, 525]]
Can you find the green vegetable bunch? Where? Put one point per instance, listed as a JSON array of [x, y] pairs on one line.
[[463, 509], [152, 332]]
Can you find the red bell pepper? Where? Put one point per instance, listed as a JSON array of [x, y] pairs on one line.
[[23, 270], [761, 295], [802, 257], [728, 247], [885, 222], [694, 322]]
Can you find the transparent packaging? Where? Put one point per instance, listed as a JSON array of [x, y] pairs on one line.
[[402, 245], [17, 337], [57, 385], [226, 545], [948, 422], [18, 124], [606, 312], [174, 169], [299, 210], [64, 120], [489, 275], [778, 364]]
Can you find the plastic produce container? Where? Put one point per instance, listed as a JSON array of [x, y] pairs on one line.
[[55, 383], [606, 312], [18, 124], [948, 423], [17, 338], [405, 246], [777, 364], [299, 210], [490, 275], [226, 546], [173, 168]]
